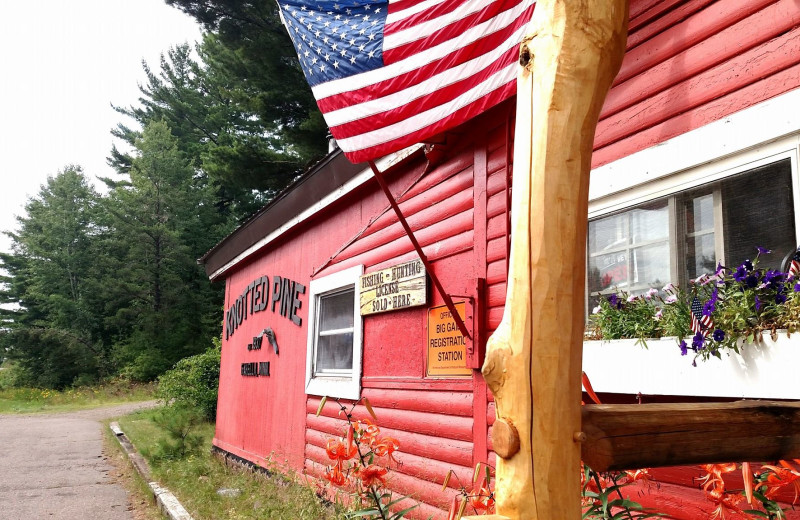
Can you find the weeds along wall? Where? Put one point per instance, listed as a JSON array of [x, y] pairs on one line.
[[688, 64]]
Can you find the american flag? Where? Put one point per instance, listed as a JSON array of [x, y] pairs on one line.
[[700, 323], [794, 265], [390, 73]]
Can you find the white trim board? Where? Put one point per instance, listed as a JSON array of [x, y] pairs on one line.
[[757, 125]]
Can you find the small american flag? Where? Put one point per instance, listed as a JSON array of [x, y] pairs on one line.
[[700, 323], [390, 73], [794, 265]]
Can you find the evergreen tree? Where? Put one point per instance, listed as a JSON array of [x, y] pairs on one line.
[[162, 223], [53, 274]]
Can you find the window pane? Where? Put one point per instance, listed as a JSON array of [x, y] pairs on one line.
[[336, 311], [758, 211], [700, 255], [614, 264], [700, 214], [609, 232], [651, 266], [335, 352], [650, 223], [608, 271]]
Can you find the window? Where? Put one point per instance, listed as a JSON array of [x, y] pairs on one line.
[[333, 360], [679, 237]]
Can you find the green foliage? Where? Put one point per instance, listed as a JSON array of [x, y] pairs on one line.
[[193, 382], [195, 480], [20, 399], [180, 424], [602, 497], [743, 303], [55, 330], [652, 315]]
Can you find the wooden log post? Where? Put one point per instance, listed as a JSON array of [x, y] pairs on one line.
[[533, 360]]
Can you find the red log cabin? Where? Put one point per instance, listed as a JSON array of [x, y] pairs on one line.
[[695, 162]]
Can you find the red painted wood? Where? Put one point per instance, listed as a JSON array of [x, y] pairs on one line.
[[495, 314], [637, 7], [444, 450], [645, 12], [496, 250], [403, 383], [497, 203], [735, 40], [424, 469], [435, 424], [729, 77], [451, 403], [715, 110], [459, 224], [678, 38], [429, 212], [496, 274], [411, 206], [673, 17]]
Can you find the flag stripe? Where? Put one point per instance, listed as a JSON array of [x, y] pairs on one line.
[[469, 111], [444, 71], [420, 120], [433, 88], [448, 34], [399, 68], [420, 26], [387, 74]]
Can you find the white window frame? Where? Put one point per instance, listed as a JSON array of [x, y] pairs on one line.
[[342, 386]]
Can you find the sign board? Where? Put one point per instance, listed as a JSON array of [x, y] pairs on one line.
[[447, 348], [397, 287]]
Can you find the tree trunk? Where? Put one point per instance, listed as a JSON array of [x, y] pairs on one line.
[[533, 361]]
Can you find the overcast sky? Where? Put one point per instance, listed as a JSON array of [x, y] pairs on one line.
[[62, 64]]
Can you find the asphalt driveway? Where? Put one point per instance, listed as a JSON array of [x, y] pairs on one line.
[[52, 467]]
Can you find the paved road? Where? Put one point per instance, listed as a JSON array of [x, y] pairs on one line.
[[52, 467]]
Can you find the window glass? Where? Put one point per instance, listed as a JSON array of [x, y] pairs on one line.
[[334, 344], [629, 250], [758, 211], [700, 255]]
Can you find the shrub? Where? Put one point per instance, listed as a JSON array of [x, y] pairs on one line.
[[193, 382]]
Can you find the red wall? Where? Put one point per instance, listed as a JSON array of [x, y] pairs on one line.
[[688, 63]]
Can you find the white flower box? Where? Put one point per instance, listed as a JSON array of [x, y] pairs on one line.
[[768, 369]]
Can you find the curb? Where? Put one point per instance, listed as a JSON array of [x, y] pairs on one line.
[[167, 503]]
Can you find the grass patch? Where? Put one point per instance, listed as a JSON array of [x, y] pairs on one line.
[[196, 478], [31, 400]]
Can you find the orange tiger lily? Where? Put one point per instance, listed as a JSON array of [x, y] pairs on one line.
[[779, 478], [481, 499], [386, 446], [335, 476], [372, 475], [340, 452]]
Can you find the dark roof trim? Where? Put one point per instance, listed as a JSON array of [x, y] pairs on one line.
[[324, 183]]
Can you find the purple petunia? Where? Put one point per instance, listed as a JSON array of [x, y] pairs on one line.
[[613, 300], [751, 281], [780, 297], [698, 342], [719, 335], [763, 250], [797, 287], [684, 348], [748, 265], [740, 274], [758, 303]]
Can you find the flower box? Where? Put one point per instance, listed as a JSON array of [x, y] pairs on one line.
[[767, 369]]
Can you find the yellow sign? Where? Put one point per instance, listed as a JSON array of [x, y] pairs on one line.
[[394, 288], [447, 350]]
